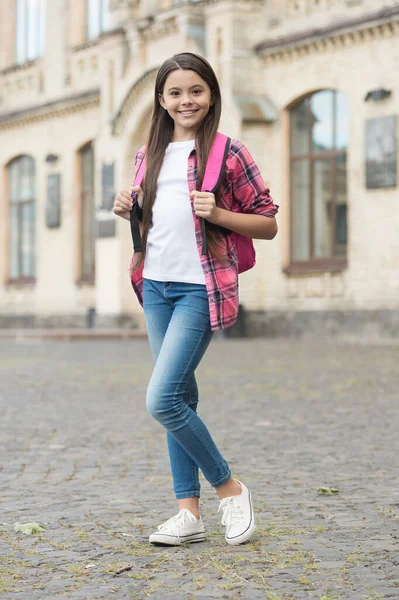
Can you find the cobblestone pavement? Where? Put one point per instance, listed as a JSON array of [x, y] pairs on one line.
[[80, 454]]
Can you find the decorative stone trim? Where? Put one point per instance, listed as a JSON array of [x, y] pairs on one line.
[[17, 67], [164, 28], [166, 22], [381, 25], [51, 110], [119, 121], [96, 41]]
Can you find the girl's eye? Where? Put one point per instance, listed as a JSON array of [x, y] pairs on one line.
[[174, 93], [196, 91]]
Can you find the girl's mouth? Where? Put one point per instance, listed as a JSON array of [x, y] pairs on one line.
[[187, 113]]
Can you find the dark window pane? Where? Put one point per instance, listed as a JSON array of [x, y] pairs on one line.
[[299, 129], [27, 213], [88, 212], [14, 243], [341, 230], [300, 208], [341, 121], [321, 115], [323, 203]]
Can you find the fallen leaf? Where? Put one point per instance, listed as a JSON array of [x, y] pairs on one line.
[[327, 491], [29, 528]]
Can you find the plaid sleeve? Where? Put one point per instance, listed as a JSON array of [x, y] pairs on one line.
[[248, 187]]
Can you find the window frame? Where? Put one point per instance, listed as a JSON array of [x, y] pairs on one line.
[[315, 264], [20, 279]]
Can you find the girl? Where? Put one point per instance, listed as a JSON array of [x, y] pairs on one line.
[[187, 295]]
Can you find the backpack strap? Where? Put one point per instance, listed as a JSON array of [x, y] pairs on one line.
[[214, 173], [136, 212], [216, 163], [213, 176]]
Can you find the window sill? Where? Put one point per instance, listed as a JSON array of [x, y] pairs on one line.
[[86, 281], [20, 282], [316, 267]]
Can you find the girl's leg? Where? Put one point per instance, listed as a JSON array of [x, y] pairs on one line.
[[184, 470], [185, 342], [158, 313]]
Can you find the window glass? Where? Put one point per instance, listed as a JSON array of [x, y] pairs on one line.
[[341, 233], [14, 243], [321, 115], [318, 181], [105, 15], [21, 193], [30, 29], [300, 129], [342, 121], [88, 212], [93, 18], [323, 205], [300, 210], [98, 17], [27, 214]]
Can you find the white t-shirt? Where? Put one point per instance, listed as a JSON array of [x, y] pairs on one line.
[[172, 253]]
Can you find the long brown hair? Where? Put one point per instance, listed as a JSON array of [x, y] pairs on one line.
[[161, 133]]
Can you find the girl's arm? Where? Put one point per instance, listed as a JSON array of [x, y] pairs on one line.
[[258, 227], [253, 211]]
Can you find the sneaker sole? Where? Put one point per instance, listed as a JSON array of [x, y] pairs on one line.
[[244, 537], [166, 540]]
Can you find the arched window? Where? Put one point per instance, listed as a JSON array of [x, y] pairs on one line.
[[319, 134], [22, 219], [87, 213]]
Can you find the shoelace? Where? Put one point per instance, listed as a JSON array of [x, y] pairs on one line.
[[232, 513], [178, 521]]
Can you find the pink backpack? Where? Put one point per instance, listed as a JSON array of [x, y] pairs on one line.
[[214, 172]]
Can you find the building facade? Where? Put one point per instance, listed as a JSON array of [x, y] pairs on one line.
[[310, 86]]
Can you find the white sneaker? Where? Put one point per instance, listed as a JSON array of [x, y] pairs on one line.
[[238, 517], [183, 528]]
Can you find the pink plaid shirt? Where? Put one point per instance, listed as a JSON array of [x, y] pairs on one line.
[[242, 191]]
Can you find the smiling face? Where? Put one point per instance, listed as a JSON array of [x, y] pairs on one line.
[[187, 98]]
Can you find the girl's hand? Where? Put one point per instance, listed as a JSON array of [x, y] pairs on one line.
[[205, 205], [123, 203]]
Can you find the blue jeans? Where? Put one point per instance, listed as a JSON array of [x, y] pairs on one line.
[[179, 332]]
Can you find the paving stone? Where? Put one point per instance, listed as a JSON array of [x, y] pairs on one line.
[[81, 455]]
